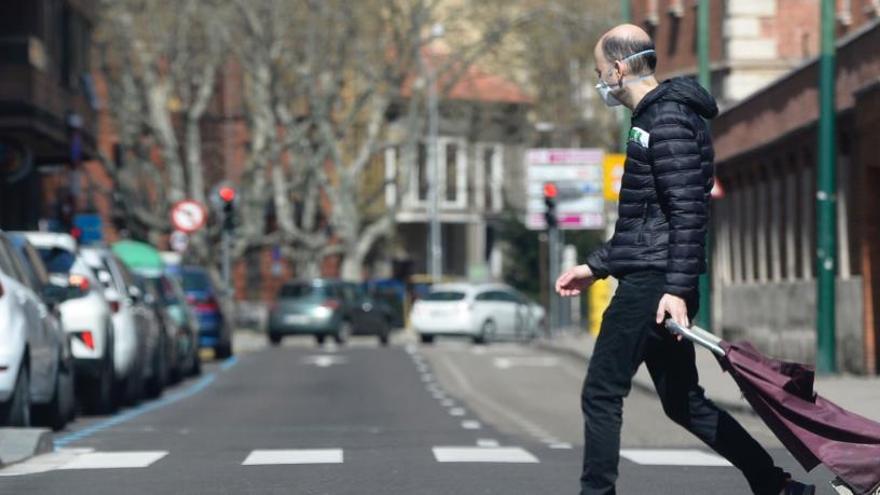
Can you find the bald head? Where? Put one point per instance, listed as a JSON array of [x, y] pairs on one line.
[[621, 42]]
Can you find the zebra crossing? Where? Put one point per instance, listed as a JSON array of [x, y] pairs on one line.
[[486, 451]]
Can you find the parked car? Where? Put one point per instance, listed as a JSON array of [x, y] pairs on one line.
[[204, 298], [327, 308], [131, 316], [481, 312], [102, 356], [185, 359], [159, 350], [35, 366], [60, 407]]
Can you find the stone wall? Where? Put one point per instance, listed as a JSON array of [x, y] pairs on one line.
[[779, 318]]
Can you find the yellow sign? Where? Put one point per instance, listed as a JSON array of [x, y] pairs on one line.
[[612, 167], [598, 299]]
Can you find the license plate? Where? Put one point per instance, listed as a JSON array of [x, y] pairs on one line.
[[296, 319]]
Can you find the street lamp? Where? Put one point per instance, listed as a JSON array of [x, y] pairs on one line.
[[435, 249]]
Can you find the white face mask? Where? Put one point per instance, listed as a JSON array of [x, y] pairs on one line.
[[605, 91]]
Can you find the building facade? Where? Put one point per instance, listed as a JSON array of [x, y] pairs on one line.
[[47, 109], [765, 74], [480, 147]]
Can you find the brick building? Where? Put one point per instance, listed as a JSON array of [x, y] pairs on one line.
[[47, 108], [765, 73]]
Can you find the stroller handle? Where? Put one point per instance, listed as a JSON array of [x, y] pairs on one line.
[[697, 335]]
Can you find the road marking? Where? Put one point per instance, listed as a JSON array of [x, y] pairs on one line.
[[457, 411], [169, 399], [673, 457], [438, 395], [471, 425], [560, 446], [427, 377], [324, 360], [487, 442], [114, 460], [311, 456], [499, 409], [484, 454], [504, 363], [447, 403]]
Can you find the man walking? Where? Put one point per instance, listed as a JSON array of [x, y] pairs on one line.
[[657, 253]]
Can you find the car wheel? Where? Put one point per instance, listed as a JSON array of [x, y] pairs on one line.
[[156, 382], [320, 339], [426, 339], [100, 398], [17, 410], [52, 414], [486, 332], [223, 351], [384, 339], [274, 339], [196, 367], [344, 332]]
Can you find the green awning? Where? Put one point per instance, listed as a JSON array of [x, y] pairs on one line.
[[140, 257]]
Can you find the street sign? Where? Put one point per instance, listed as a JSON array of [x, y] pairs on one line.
[[179, 241], [612, 167], [188, 216], [577, 175]]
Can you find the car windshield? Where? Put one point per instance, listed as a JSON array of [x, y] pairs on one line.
[[444, 295], [302, 291], [195, 280], [57, 260]]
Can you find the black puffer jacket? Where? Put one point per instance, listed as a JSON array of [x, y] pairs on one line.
[[664, 195]]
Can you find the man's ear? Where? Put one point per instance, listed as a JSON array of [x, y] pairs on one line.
[[620, 69]]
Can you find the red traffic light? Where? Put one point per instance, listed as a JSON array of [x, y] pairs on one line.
[[550, 190], [227, 194]]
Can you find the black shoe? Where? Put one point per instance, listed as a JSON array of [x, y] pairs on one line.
[[796, 488]]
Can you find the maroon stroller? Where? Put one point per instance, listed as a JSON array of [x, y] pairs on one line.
[[813, 429]]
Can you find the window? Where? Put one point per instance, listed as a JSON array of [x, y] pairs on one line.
[[57, 260], [489, 156], [451, 171], [424, 171], [444, 296]]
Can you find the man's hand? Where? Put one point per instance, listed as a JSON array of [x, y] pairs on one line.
[[574, 280], [677, 309]]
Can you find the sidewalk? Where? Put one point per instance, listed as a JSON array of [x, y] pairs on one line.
[[858, 394]]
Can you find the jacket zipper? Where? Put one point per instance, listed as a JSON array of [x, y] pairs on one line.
[[641, 238]]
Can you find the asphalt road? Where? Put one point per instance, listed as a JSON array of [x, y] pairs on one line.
[[359, 419]]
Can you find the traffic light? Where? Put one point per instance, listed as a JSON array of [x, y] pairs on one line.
[[227, 196], [550, 193]]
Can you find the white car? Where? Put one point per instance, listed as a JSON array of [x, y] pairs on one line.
[[481, 312], [35, 367], [102, 356]]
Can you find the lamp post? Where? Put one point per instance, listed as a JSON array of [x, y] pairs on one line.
[[435, 240]]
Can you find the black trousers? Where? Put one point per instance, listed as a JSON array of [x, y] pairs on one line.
[[630, 336]]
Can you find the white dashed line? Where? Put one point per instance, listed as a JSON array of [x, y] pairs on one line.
[[457, 411], [274, 457], [114, 460], [673, 457], [483, 454], [560, 446], [487, 442], [471, 425]]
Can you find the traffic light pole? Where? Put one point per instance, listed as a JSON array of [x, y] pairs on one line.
[[225, 241], [553, 262]]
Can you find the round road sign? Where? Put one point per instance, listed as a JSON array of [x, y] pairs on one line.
[[179, 241], [188, 216]]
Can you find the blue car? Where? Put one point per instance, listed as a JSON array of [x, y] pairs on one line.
[[204, 299]]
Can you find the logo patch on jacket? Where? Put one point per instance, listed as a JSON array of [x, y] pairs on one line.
[[639, 136]]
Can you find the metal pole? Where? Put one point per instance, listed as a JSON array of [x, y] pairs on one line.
[[553, 262], [826, 202], [435, 252], [225, 267], [704, 317], [626, 17]]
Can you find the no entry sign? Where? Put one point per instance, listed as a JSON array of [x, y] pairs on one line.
[[188, 215]]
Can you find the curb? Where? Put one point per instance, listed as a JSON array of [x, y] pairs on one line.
[[739, 407], [19, 444]]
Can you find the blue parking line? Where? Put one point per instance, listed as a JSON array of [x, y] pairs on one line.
[[192, 390]]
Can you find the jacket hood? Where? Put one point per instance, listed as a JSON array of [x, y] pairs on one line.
[[683, 90]]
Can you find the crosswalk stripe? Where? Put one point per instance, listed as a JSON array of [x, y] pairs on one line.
[[302, 456], [484, 454], [114, 460], [673, 457]]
